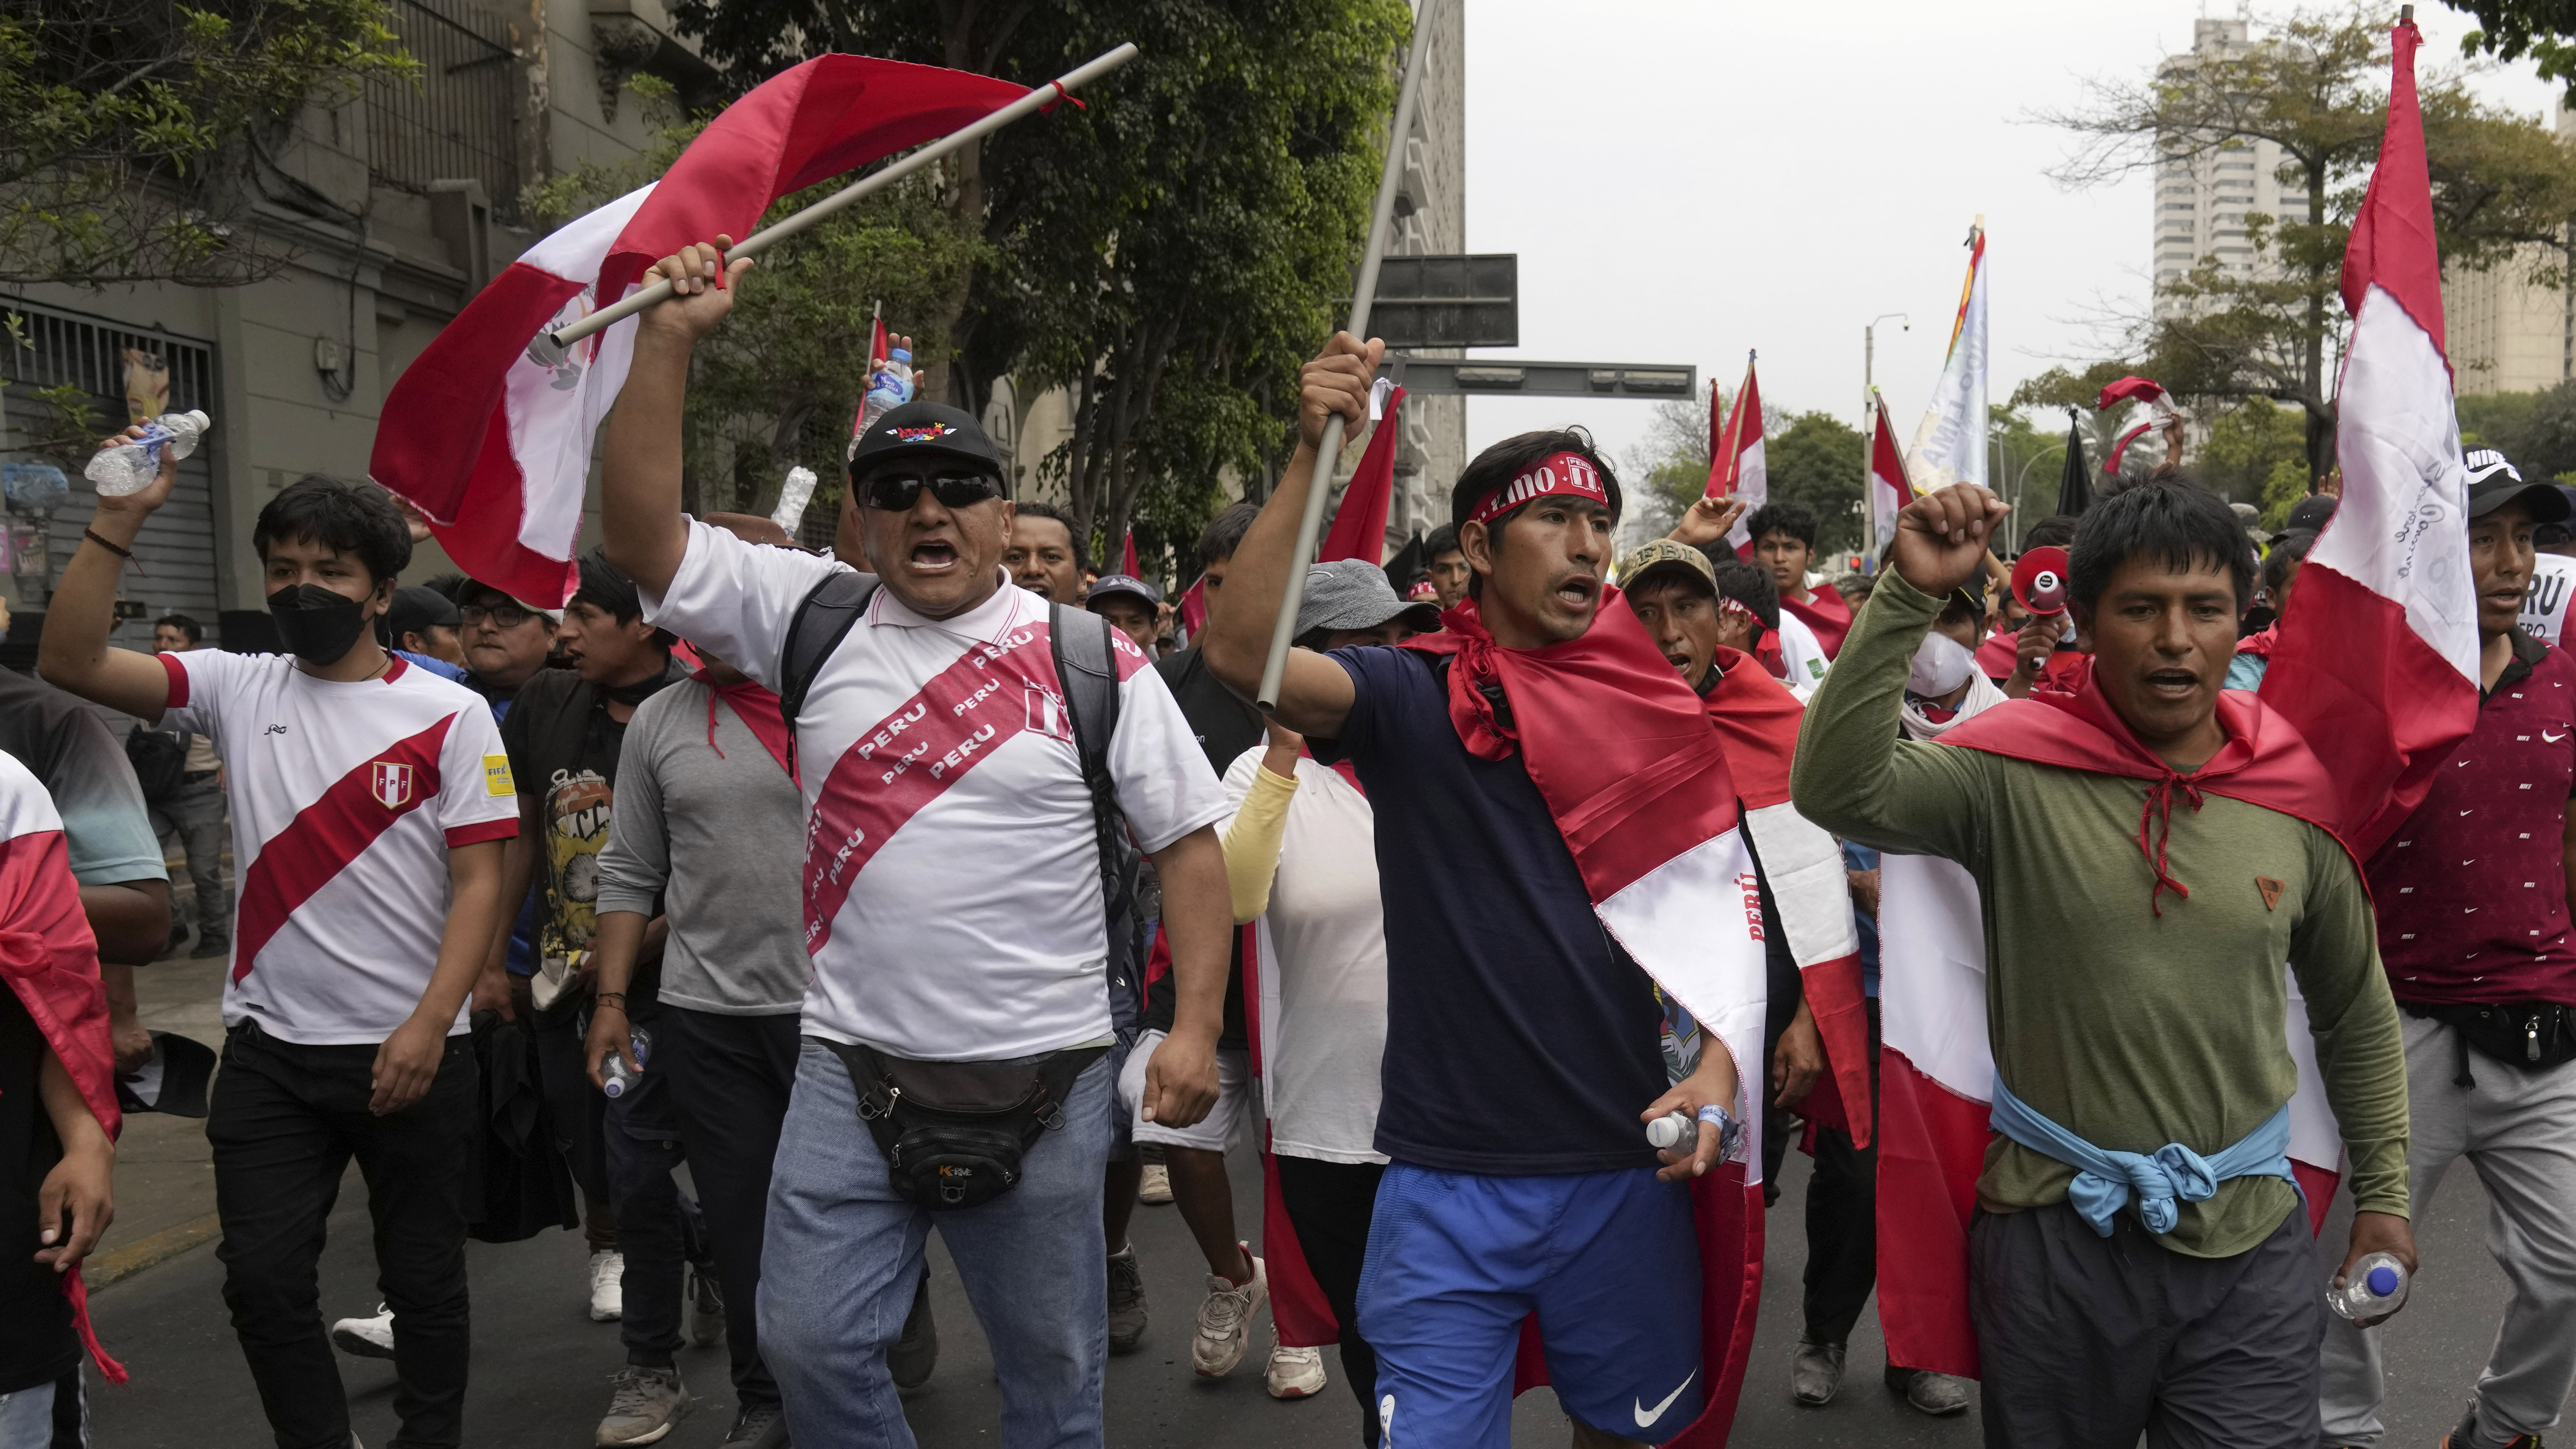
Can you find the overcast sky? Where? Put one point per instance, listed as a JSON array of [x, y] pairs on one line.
[[1686, 179]]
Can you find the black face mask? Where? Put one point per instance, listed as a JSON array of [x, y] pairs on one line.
[[315, 624]]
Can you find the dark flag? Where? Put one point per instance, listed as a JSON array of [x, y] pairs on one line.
[[1406, 566], [2075, 484]]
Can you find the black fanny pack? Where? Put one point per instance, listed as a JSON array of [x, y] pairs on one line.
[[953, 1133], [2532, 1036]]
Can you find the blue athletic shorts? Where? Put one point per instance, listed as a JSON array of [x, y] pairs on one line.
[[1607, 1260]]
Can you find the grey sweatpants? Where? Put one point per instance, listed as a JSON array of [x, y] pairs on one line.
[[2518, 1131], [2087, 1342]]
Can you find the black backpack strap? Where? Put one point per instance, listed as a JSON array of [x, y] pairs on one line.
[[822, 620], [1086, 670]]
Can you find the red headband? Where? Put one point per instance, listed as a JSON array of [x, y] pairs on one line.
[[1569, 475]]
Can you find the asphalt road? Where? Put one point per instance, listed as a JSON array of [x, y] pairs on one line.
[[541, 1368]]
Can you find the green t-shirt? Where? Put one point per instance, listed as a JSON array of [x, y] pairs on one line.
[[2129, 1028]]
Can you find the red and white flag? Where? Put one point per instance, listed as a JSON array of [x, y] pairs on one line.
[[1889, 489], [1735, 467], [1359, 524], [489, 433], [2379, 666]]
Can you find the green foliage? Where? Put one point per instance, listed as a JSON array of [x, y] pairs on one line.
[[2503, 188], [2282, 489], [2537, 430], [779, 383], [127, 126], [2510, 29], [1816, 460], [2247, 445], [2489, 420], [1668, 469], [1171, 253]]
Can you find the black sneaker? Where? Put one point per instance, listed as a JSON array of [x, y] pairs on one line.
[[2466, 1436], [209, 947], [758, 1426], [178, 938], [917, 1352]]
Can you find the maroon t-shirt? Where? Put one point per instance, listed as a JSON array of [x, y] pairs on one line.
[[2471, 891]]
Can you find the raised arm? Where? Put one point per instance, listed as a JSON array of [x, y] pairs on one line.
[[74, 653], [1315, 695], [1854, 775], [639, 480]]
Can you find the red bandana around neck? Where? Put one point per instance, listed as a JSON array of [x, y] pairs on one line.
[[757, 707], [2265, 762], [1568, 475]]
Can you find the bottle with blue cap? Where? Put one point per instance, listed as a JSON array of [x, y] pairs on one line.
[[2375, 1288]]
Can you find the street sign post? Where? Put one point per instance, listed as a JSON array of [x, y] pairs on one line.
[[1448, 301], [1523, 377]]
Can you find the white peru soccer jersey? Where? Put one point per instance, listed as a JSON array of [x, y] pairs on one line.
[[952, 876], [345, 799]]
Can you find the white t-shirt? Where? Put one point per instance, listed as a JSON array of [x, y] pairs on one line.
[[952, 875], [1802, 654], [345, 799], [1322, 944]]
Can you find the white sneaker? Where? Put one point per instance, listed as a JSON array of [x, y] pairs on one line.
[[371, 1337], [607, 1287], [1225, 1320], [1156, 1190], [1294, 1372]]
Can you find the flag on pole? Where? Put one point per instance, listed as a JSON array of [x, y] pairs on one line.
[[1889, 489], [1735, 464], [2379, 666], [1950, 442], [1359, 525], [877, 349], [1127, 563], [2074, 481], [489, 433], [1193, 610]]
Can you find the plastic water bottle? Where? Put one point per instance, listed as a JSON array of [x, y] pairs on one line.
[[889, 387], [614, 1079], [131, 466], [793, 495], [1673, 1132], [2375, 1286]]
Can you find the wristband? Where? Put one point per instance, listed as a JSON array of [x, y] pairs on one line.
[[93, 536], [606, 997]]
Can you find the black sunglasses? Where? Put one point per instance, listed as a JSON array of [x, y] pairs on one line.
[[897, 492], [508, 616]]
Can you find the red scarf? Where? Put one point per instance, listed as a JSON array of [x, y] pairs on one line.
[[757, 708], [1826, 612], [2265, 761], [1618, 746]]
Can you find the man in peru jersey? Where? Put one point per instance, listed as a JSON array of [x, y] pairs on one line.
[[954, 904], [370, 801]]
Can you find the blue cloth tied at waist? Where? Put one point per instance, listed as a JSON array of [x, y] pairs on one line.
[[2104, 1179]]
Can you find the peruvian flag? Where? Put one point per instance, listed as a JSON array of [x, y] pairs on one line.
[[1193, 609], [1735, 457], [1127, 563], [1889, 489], [1359, 525], [1950, 442], [2379, 666], [2161, 413], [489, 433]]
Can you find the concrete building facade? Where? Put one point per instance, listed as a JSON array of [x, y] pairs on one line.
[[2202, 199]]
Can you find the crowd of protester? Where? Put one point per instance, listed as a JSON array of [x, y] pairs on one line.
[[942, 881]]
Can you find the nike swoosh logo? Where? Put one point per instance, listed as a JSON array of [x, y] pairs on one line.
[[2549, 739], [1646, 1417]]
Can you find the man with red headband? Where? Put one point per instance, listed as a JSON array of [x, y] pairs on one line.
[[1534, 771], [2149, 850]]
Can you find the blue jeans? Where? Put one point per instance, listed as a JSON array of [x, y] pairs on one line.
[[844, 1252]]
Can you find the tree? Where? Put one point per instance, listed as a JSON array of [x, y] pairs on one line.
[[2247, 446], [1669, 467], [2510, 29], [1815, 460], [1169, 255], [2503, 190], [132, 132]]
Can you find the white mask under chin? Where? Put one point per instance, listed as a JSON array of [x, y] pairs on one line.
[[1941, 664]]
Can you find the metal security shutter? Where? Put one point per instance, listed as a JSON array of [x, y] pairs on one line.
[[176, 550]]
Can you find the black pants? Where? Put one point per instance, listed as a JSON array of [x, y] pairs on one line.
[[1330, 1204], [729, 1077], [1842, 1222], [576, 1109], [658, 1226], [284, 1122], [2087, 1342]]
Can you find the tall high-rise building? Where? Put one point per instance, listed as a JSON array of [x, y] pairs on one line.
[[1431, 219], [2204, 194], [2505, 332]]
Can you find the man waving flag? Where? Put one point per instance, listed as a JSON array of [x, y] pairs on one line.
[[489, 433], [1735, 468]]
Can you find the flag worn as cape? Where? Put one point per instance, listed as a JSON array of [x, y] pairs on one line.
[[2379, 666], [1637, 782], [1735, 468], [1826, 614], [489, 432], [50, 961], [1359, 525], [1936, 1069], [1758, 718]]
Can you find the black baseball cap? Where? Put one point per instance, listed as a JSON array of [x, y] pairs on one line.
[[417, 608], [933, 429], [1129, 584], [2310, 513], [2495, 482]]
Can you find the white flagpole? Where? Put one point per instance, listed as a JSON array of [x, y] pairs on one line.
[[761, 241], [1363, 292]]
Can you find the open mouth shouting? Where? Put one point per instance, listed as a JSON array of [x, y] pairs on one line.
[[931, 556], [1577, 593], [2172, 683]]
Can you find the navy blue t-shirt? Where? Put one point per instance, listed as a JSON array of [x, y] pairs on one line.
[[1520, 1041]]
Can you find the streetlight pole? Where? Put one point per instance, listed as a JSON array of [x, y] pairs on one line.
[[1869, 421]]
